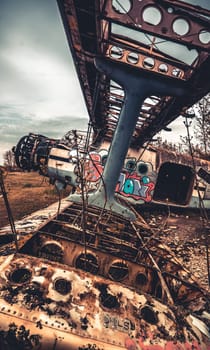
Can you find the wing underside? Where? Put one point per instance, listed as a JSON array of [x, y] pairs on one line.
[[167, 38]]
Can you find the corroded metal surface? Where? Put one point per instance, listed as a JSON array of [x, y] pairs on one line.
[[110, 283], [58, 302]]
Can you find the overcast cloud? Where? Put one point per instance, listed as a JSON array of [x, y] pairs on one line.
[[39, 89]]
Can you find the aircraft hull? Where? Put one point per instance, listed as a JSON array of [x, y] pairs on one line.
[[53, 306]]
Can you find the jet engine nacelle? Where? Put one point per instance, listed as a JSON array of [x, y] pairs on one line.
[[53, 158]]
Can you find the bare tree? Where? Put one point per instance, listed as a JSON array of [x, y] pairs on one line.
[[202, 127], [184, 146], [9, 160]]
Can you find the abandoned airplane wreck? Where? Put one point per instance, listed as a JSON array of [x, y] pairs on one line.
[[112, 286], [94, 276]]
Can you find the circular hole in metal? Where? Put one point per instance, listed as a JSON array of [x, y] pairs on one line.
[[204, 37], [152, 15], [141, 279], [121, 6], [133, 58], [118, 270], [163, 68], [51, 251], [142, 168], [176, 72], [20, 275], [170, 10], [130, 165], [181, 26], [148, 62], [148, 314], [108, 300], [116, 52], [87, 262], [62, 286]]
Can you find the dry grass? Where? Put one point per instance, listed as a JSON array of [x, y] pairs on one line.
[[26, 192]]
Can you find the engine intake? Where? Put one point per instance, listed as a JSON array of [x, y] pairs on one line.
[[31, 152]]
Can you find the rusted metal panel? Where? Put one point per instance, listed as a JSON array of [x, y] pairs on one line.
[[70, 309], [161, 18]]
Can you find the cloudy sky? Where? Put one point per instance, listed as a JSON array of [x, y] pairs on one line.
[[39, 89]]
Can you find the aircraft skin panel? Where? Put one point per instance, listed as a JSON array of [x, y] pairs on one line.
[[107, 330], [110, 301]]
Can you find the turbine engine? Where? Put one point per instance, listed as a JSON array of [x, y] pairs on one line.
[[32, 151], [56, 159]]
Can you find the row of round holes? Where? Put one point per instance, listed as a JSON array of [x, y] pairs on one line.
[[148, 62], [63, 286], [118, 271], [152, 15]]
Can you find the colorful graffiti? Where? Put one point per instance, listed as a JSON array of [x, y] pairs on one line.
[[93, 167], [136, 181], [135, 187]]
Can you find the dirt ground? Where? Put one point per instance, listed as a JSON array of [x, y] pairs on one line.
[[182, 231], [26, 192], [186, 233]]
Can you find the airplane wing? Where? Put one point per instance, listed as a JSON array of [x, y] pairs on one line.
[[169, 38]]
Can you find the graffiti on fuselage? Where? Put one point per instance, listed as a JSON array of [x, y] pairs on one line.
[[136, 180]]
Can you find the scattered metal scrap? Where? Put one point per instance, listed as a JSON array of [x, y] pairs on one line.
[[186, 237]]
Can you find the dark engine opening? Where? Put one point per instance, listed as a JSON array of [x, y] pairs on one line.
[[174, 184]]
